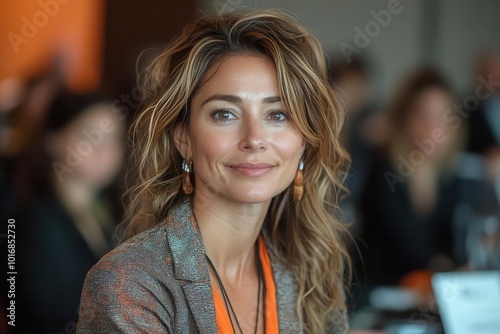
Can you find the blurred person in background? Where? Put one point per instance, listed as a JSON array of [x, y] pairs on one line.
[[12, 91], [412, 192], [363, 130], [481, 221], [484, 121], [65, 228], [11, 94], [365, 125], [23, 107]]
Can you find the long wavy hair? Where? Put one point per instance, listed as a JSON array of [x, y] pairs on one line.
[[308, 236]]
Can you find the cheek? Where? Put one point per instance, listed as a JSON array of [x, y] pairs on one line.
[[416, 129], [288, 147], [207, 145]]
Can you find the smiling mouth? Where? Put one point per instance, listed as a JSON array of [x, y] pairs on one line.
[[251, 169]]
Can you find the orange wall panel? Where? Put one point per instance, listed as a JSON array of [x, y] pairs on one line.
[[34, 32]]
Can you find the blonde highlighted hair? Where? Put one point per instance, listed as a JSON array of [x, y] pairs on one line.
[[308, 235]]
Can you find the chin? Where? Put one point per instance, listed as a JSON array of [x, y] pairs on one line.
[[251, 196]]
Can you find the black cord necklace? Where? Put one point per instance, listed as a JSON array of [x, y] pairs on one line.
[[227, 302]]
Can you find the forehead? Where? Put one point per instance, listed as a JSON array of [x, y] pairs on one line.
[[434, 94], [432, 99], [247, 76]]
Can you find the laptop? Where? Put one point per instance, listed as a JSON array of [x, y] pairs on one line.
[[469, 302]]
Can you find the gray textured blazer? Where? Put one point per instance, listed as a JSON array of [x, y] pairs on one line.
[[158, 282]]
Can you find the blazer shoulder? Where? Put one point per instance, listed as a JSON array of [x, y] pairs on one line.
[[142, 262], [143, 252], [131, 289]]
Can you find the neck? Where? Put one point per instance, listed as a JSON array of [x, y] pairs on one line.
[[75, 194], [229, 231]]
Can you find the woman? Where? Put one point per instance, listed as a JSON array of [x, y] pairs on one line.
[[66, 220], [409, 203], [236, 110]]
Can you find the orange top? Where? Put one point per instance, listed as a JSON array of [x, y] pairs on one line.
[[223, 322]]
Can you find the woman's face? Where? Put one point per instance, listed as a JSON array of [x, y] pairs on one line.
[[244, 146], [427, 116], [102, 158]]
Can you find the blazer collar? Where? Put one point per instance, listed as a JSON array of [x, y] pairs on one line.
[[189, 264], [185, 242]]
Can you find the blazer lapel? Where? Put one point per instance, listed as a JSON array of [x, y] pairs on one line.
[[200, 300], [190, 265]]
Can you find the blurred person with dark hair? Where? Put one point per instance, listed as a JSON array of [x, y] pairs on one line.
[[11, 92], [485, 120], [67, 225], [362, 131], [364, 128], [413, 191], [354, 79], [23, 107]]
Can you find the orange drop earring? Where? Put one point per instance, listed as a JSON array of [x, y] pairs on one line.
[[187, 186], [298, 187]]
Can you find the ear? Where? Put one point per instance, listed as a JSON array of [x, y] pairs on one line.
[[181, 141]]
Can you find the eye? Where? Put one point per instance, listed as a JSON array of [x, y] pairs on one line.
[[278, 116], [223, 115]]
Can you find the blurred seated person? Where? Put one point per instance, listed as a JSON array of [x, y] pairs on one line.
[[364, 128], [484, 121], [66, 229], [412, 192], [11, 95], [23, 106]]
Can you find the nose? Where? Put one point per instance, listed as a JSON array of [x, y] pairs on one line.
[[253, 136]]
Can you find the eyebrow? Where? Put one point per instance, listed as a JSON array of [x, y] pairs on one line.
[[237, 99]]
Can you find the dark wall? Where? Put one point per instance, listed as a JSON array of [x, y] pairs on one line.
[[133, 26]]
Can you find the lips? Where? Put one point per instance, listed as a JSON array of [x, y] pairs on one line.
[[252, 169]]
